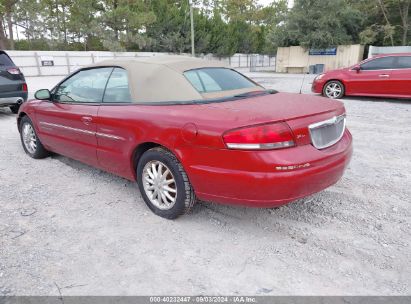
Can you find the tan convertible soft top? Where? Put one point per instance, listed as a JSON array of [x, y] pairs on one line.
[[161, 78]]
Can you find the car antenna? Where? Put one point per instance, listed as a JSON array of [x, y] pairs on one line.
[[308, 64]]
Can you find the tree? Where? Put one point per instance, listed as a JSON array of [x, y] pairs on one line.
[[120, 24], [386, 22], [9, 6], [6, 9], [222, 27], [396, 16], [272, 19], [221, 42], [171, 30], [319, 24], [404, 11], [3, 38], [82, 24], [240, 10], [28, 15]]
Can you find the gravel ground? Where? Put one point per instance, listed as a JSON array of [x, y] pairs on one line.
[[66, 228]]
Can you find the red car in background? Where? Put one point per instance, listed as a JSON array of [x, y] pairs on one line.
[[185, 128], [386, 75]]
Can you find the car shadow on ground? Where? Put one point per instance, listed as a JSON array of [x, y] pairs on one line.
[[5, 113], [220, 212]]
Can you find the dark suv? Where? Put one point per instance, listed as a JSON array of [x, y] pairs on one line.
[[13, 87]]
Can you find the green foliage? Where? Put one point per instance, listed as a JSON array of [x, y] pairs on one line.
[[318, 24], [221, 42], [222, 27], [386, 22], [325, 23], [171, 30]]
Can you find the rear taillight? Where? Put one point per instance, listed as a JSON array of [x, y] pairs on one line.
[[14, 71], [263, 137], [24, 87]]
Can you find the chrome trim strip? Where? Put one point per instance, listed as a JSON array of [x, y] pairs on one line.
[[48, 124], [110, 136], [324, 123], [67, 128], [327, 122]]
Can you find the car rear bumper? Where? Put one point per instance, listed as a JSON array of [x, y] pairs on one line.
[[12, 98], [304, 171]]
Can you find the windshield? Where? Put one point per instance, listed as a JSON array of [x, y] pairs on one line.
[[214, 80]]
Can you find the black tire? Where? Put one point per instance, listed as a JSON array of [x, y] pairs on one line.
[[15, 108], [39, 151], [336, 95], [184, 197]]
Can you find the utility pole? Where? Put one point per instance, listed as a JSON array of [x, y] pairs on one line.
[[193, 53]]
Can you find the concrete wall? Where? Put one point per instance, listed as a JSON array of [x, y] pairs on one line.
[[296, 59], [30, 62], [376, 50]]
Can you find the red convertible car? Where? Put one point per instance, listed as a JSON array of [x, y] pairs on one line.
[[381, 76], [185, 128]]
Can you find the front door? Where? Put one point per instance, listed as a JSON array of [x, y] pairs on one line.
[[374, 77], [67, 124]]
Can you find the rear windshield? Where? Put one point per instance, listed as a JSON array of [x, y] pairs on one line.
[[208, 80], [5, 60]]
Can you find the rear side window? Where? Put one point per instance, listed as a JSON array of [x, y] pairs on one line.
[[384, 63], [5, 60], [404, 62], [117, 89], [209, 80]]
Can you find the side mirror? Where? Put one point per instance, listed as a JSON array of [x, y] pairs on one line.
[[43, 94], [357, 68]]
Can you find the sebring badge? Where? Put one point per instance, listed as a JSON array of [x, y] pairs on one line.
[[293, 167]]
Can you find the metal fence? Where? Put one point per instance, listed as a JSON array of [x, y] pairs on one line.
[[58, 63], [253, 62], [377, 50]]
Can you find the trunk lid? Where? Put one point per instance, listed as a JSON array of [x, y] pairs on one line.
[[297, 110], [273, 107]]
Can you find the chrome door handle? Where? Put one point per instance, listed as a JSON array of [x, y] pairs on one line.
[[384, 75], [87, 120]]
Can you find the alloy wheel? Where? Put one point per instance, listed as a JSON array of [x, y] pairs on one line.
[[159, 185], [29, 138], [333, 90]]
